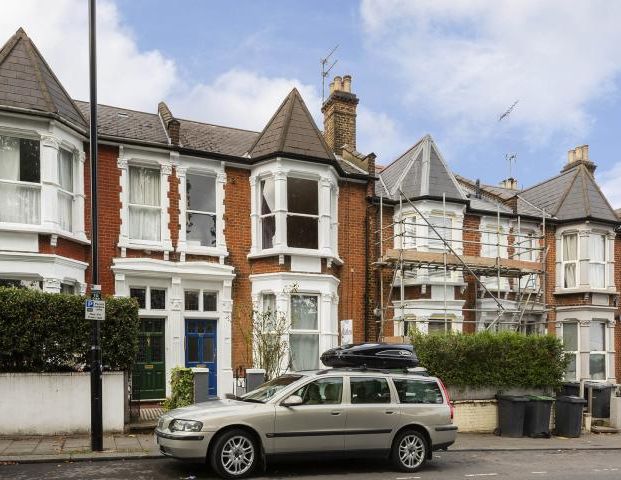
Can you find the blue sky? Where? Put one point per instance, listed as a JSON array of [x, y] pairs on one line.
[[448, 68]]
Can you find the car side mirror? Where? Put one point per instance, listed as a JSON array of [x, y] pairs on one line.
[[292, 401]]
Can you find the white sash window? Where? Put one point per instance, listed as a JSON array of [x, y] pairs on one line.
[[304, 334], [201, 210], [145, 211], [570, 260], [65, 191], [597, 262]]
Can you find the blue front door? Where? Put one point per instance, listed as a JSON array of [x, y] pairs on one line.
[[201, 348]]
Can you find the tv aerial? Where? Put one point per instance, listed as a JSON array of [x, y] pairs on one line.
[[325, 71]]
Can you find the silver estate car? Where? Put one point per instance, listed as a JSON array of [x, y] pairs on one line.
[[401, 416]]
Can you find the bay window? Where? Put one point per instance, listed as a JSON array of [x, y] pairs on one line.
[[570, 346], [597, 347], [20, 180], [597, 262], [267, 215], [443, 227], [302, 213], [65, 191], [201, 210], [145, 211], [570, 260], [304, 334]]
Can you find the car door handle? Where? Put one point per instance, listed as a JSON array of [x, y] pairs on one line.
[[389, 412], [335, 412]]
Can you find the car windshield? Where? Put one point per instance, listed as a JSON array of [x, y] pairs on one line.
[[269, 389]]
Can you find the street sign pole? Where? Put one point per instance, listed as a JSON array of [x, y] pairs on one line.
[[96, 388]]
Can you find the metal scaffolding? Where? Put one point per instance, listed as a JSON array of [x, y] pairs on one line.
[[515, 260]]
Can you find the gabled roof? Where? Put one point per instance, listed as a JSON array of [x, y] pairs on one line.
[[291, 130], [572, 195], [420, 172], [27, 82]]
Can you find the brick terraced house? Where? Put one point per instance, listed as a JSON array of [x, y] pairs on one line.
[[202, 223]]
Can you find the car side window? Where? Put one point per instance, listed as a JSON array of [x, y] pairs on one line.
[[414, 390], [369, 390], [325, 391]]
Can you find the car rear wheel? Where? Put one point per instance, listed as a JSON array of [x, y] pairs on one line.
[[409, 452], [235, 454]]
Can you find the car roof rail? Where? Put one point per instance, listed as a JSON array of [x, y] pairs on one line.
[[363, 368]]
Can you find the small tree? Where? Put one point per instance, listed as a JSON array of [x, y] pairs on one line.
[[266, 337]]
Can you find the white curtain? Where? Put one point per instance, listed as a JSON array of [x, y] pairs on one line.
[[9, 158], [304, 350], [597, 270], [65, 211], [19, 203], [268, 196], [304, 312], [570, 253], [65, 170], [144, 194]]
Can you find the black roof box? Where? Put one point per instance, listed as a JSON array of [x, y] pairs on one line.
[[371, 355]]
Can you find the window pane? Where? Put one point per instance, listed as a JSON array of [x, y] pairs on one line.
[[268, 231], [598, 248], [570, 371], [201, 192], [442, 225], [597, 272], [144, 186], [158, 298], [597, 336], [144, 223], [570, 275], [65, 211], [269, 302], [19, 203], [67, 288], [201, 229], [302, 232], [369, 390], [210, 302], [209, 352], [30, 166], [327, 391], [304, 350], [65, 170], [570, 247], [140, 294], [438, 326], [570, 336], [418, 391], [268, 196], [597, 366], [302, 196], [9, 158], [191, 299], [304, 312], [192, 349]]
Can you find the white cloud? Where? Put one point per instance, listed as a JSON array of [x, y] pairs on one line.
[[379, 133], [467, 61], [609, 182]]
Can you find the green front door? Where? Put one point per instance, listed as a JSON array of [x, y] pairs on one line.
[[149, 375]]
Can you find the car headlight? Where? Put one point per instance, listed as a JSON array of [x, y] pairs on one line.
[[185, 426]]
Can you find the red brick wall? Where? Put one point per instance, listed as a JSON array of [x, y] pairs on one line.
[[472, 246], [65, 248], [173, 211]]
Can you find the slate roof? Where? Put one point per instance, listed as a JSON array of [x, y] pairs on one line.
[[27, 81], [215, 138], [486, 203], [572, 195], [420, 172], [129, 124], [291, 130]]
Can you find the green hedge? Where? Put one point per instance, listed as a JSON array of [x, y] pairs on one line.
[[182, 388], [486, 359], [47, 332]]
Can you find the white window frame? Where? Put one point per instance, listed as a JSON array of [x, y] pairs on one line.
[[444, 227], [154, 208], [408, 226], [263, 216], [64, 193], [315, 332], [576, 352], [494, 241], [201, 212], [525, 247], [603, 263], [201, 312], [24, 184], [147, 298], [575, 262]]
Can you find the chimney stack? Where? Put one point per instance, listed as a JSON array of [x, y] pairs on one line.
[[579, 156], [510, 183], [339, 115], [173, 127]]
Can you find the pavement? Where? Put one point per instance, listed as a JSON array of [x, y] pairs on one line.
[[142, 446]]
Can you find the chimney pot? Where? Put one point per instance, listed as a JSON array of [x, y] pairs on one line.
[[338, 83], [331, 87], [347, 83], [578, 156], [571, 156], [585, 153]]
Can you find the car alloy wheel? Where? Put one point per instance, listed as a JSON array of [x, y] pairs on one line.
[[235, 455], [410, 451]]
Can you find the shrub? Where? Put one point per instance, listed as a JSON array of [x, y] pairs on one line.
[[486, 359], [182, 388], [47, 332]]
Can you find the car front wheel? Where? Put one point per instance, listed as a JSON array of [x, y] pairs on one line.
[[410, 451], [235, 454]]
